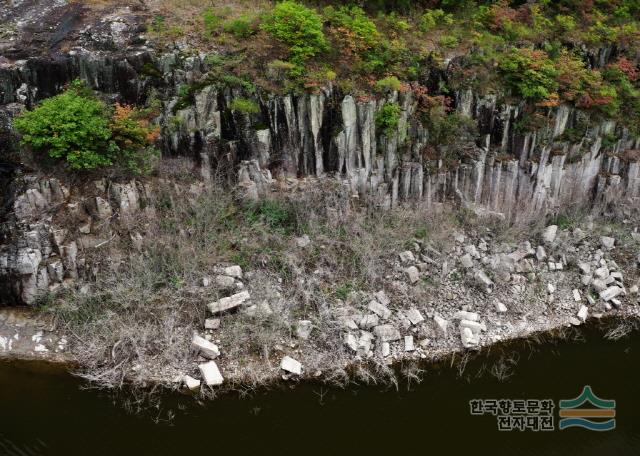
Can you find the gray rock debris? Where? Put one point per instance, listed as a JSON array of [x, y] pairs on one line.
[[414, 316], [466, 261], [413, 274], [386, 333], [303, 241], [441, 325], [191, 383], [407, 257], [610, 293], [212, 323], [369, 321], [382, 298], [583, 313], [204, 347], [303, 329], [229, 303], [549, 234], [607, 242], [233, 271], [211, 374], [408, 344], [291, 365], [380, 310]]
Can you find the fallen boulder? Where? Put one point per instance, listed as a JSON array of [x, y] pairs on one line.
[[211, 374], [204, 347], [229, 303], [288, 364]]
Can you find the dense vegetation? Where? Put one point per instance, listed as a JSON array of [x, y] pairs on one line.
[[82, 130], [545, 52]]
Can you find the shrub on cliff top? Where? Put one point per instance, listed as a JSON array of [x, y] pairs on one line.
[[300, 28], [79, 128], [530, 72]]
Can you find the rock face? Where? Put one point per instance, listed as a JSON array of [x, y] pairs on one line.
[[513, 175]]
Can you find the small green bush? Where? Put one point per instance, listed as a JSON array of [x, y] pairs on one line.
[[433, 18], [79, 128], [211, 22], [354, 19], [240, 27], [530, 73], [72, 126], [388, 84], [448, 41], [300, 28], [388, 117], [276, 215], [244, 105]]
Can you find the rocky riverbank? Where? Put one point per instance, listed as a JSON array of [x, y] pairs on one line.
[[445, 283]]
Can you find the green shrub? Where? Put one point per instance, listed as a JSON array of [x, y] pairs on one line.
[[388, 84], [300, 28], [388, 117], [448, 41], [211, 22], [355, 20], [244, 105], [433, 18], [79, 128], [240, 27], [73, 126], [276, 215], [530, 73]]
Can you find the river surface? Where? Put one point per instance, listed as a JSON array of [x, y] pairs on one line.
[[45, 411]]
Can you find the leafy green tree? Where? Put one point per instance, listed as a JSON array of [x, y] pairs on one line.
[[300, 28], [530, 72], [72, 126]]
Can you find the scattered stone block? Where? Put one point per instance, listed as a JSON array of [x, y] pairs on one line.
[[413, 274], [549, 234], [225, 282], [441, 325], [387, 333], [211, 374], [380, 310], [407, 257], [607, 242], [229, 303], [382, 298], [233, 271], [369, 321], [303, 329], [204, 347], [293, 366], [466, 261], [303, 241], [414, 316], [408, 344], [576, 295], [464, 315], [583, 313], [351, 342], [212, 323], [541, 254], [191, 383], [610, 293]]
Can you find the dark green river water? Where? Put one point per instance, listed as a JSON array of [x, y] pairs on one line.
[[44, 412]]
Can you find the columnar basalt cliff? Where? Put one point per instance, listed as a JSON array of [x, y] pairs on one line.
[[505, 172]]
